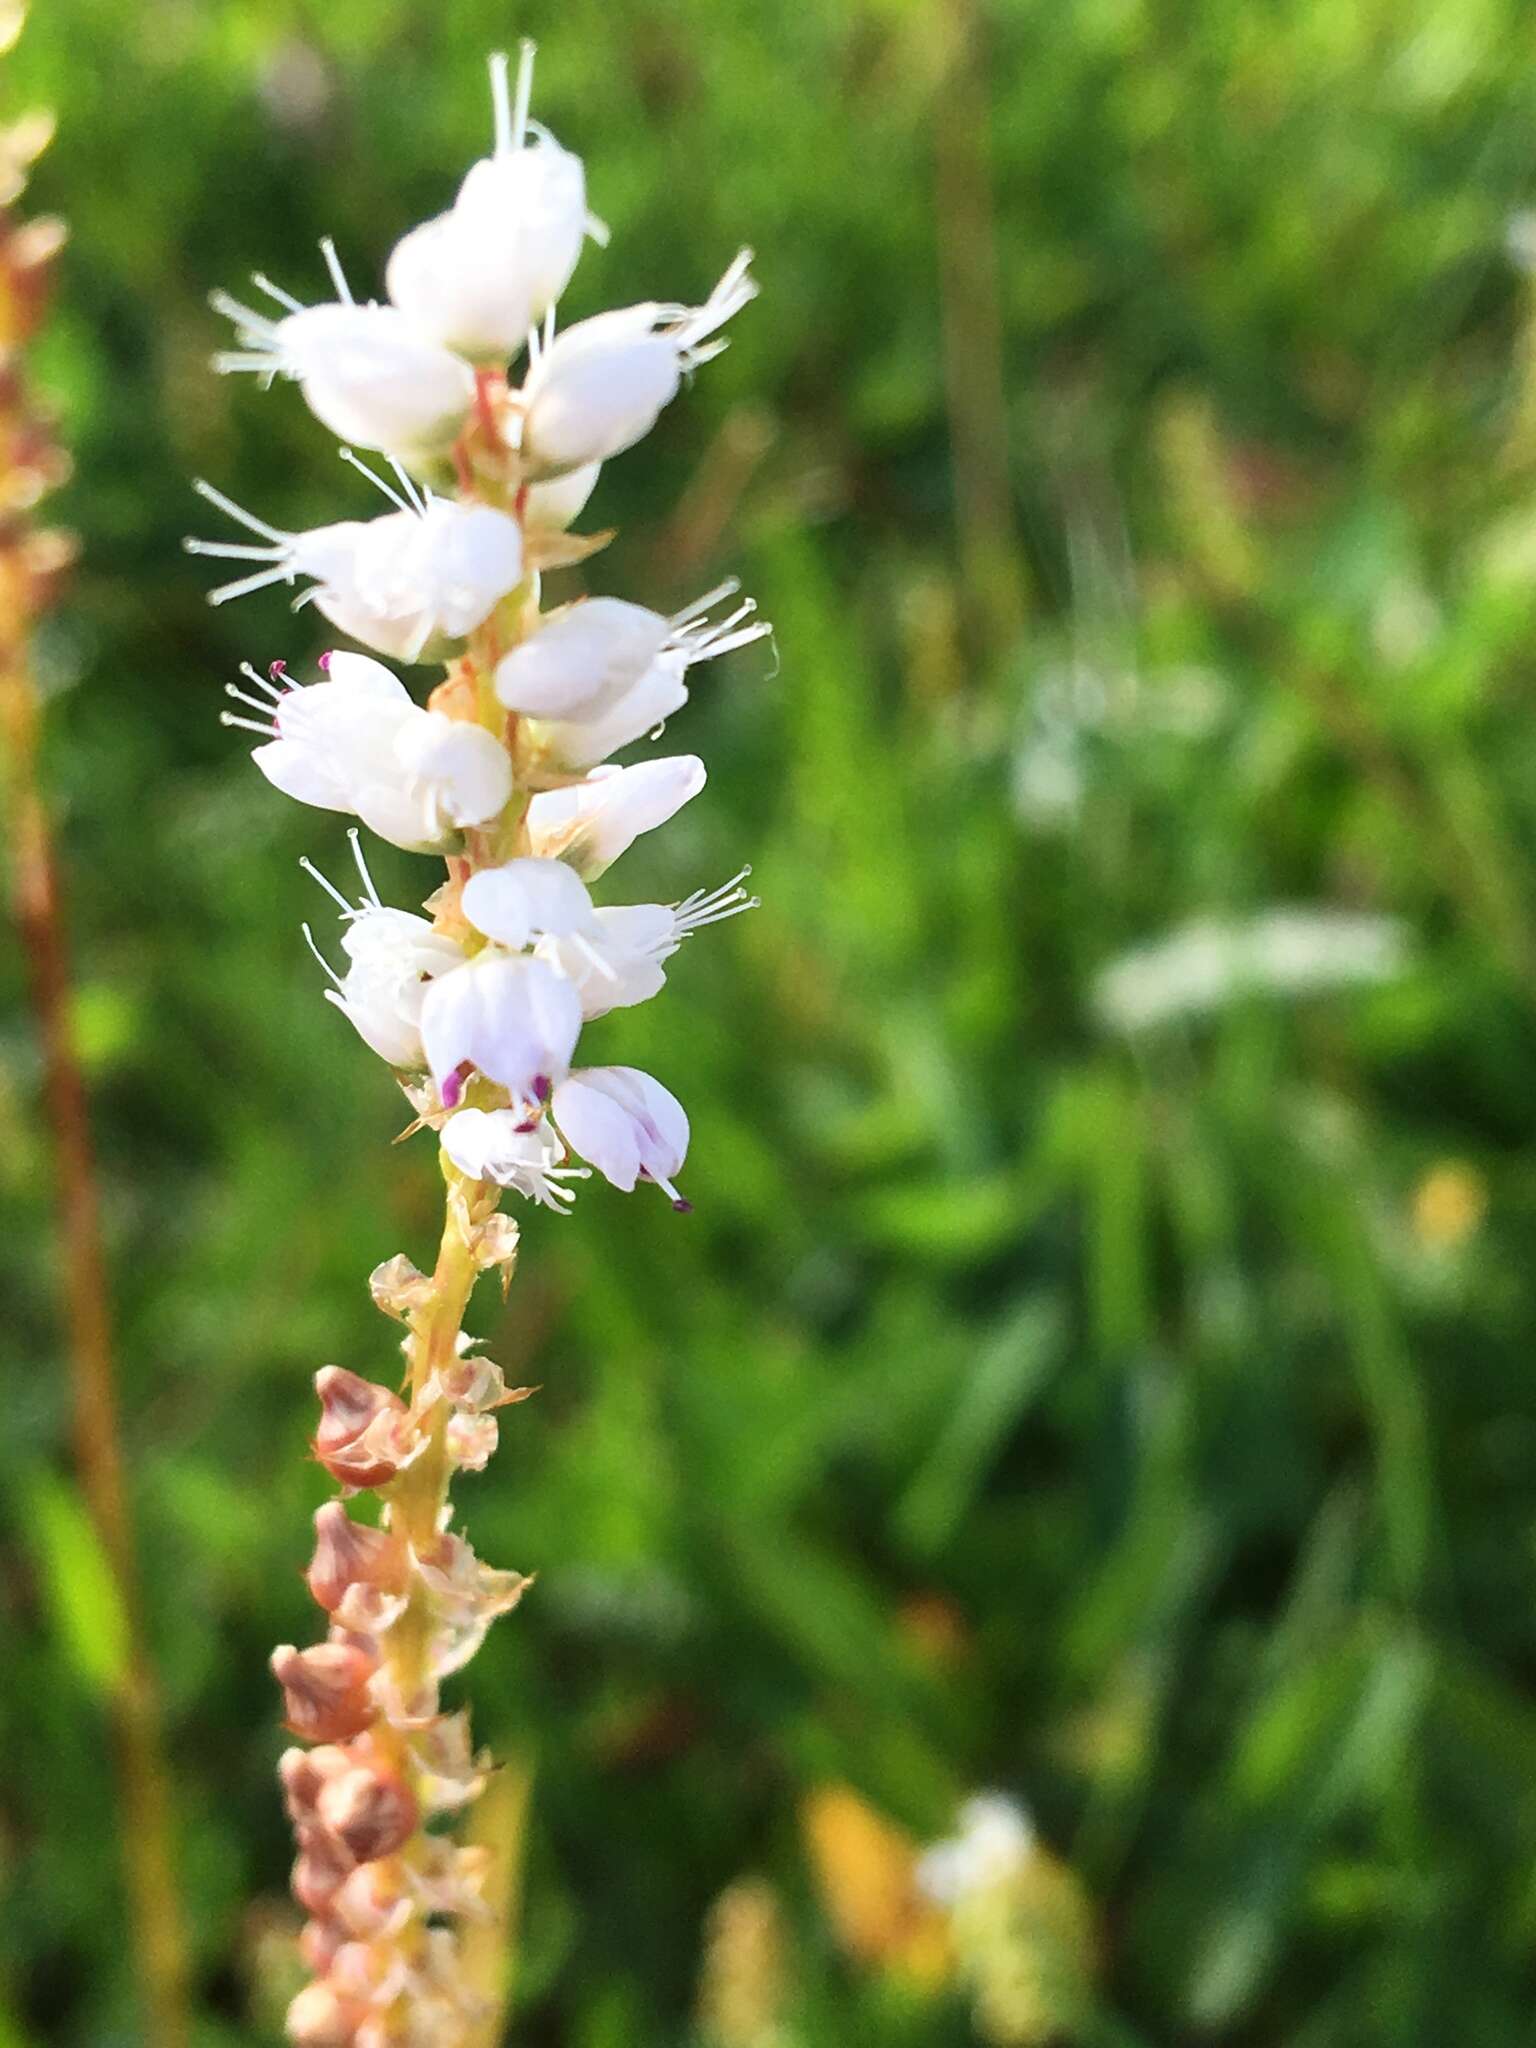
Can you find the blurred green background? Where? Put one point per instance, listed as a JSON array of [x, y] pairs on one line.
[[1099, 1366]]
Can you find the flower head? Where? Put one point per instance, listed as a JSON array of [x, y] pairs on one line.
[[478, 276], [392, 959], [498, 1145], [355, 741], [597, 388], [366, 372], [406, 583], [626, 1124], [592, 822]]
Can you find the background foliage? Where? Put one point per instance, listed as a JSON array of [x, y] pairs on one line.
[[1134, 446]]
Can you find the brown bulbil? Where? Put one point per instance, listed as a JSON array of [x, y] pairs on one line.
[[325, 1689], [321, 2018], [372, 1812], [349, 1553], [346, 1443]]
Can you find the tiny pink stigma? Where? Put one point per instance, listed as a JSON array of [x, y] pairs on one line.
[[452, 1090], [683, 1206], [278, 671], [324, 663], [542, 1088]]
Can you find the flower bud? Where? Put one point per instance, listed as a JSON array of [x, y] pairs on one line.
[[318, 1943], [321, 2017], [345, 1442], [471, 1440], [371, 1812], [591, 823], [399, 1287], [371, 1900], [349, 1553], [302, 1772], [322, 1868], [325, 1689]]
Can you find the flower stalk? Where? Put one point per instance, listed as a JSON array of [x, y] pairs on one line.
[[32, 562], [506, 773]]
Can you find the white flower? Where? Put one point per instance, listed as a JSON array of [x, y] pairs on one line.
[[604, 672], [356, 742], [366, 372], [499, 1145], [592, 822], [405, 583], [995, 1840], [626, 1124], [596, 389], [392, 957], [527, 899], [622, 964], [477, 277], [509, 1017]]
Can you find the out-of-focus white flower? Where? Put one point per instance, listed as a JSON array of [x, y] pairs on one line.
[[366, 372], [392, 957], [604, 672], [994, 1841], [592, 822], [597, 388], [621, 964], [405, 584], [529, 899], [356, 742], [507, 1016], [499, 1145], [1212, 962], [477, 277], [626, 1124]]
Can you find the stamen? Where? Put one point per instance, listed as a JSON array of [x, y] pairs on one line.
[[326, 967], [356, 462], [702, 604], [279, 572], [525, 55], [419, 498], [253, 703], [328, 886], [270, 685], [369, 890], [232, 550], [238, 512], [267, 732], [595, 959], [253, 326], [338, 275], [275, 291]]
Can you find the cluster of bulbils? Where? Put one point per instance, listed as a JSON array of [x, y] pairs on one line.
[[490, 999], [506, 772]]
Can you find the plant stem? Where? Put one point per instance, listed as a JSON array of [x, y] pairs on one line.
[[148, 1856]]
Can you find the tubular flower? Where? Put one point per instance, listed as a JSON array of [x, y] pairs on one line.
[[479, 1002]]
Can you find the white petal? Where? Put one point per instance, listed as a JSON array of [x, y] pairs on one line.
[[516, 1020], [301, 773], [526, 897], [646, 704], [550, 507], [369, 376], [624, 1122], [581, 659], [461, 770], [595, 821]]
